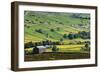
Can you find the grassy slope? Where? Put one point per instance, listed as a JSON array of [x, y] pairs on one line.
[[66, 24], [64, 21]]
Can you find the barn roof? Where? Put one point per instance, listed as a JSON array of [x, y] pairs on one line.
[[41, 47]]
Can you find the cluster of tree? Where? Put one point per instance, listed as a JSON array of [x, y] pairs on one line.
[[39, 31], [86, 47], [43, 32], [35, 50], [53, 30], [80, 16], [82, 34], [55, 49], [28, 45], [29, 21], [47, 42]]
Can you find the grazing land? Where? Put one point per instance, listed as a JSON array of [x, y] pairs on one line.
[[56, 36]]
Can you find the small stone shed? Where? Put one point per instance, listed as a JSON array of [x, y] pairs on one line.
[[39, 49]]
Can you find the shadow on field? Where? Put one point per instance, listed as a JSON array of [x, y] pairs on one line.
[[56, 56]]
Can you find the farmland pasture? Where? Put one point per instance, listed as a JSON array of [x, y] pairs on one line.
[[69, 33], [62, 48], [65, 52]]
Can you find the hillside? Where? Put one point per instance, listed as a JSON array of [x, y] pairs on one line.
[[53, 26]]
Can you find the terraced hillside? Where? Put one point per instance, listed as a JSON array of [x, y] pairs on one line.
[[52, 25]]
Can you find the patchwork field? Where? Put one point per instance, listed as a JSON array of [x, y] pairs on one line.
[[65, 52], [62, 48], [56, 35]]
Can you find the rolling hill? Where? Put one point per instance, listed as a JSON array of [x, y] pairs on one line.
[[39, 26]]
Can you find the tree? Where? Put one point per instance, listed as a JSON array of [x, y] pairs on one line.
[[60, 23], [35, 50], [39, 30], [65, 36], [28, 45], [75, 15], [76, 36], [47, 42], [44, 43], [54, 48], [84, 35], [52, 30], [86, 47], [71, 36], [61, 40]]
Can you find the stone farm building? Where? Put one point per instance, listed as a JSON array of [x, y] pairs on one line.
[[39, 49]]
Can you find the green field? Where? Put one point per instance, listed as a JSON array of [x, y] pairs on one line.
[[62, 48], [67, 33]]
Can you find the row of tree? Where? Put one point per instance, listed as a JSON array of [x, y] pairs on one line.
[[82, 35], [80, 16], [47, 42]]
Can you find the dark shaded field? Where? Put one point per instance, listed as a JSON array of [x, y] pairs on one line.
[[56, 56]]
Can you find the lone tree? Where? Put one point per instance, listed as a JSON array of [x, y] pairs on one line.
[[86, 47], [54, 48], [52, 30], [28, 45], [65, 36], [35, 50], [71, 36]]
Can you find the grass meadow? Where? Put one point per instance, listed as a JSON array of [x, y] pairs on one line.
[[56, 36]]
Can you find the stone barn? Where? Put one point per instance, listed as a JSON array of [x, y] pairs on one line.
[[39, 49]]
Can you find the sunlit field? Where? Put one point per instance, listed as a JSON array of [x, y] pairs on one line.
[[56, 36]]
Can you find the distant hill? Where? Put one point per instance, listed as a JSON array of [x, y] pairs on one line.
[[53, 25]]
